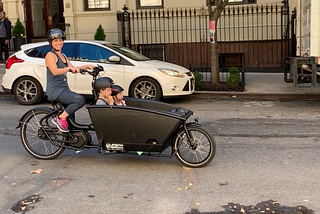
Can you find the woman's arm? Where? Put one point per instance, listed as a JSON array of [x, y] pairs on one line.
[[76, 69], [91, 67]]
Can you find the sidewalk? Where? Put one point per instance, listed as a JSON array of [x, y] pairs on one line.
[[266, 86], [258, 85]]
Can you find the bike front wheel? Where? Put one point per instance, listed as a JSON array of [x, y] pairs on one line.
[[33, 138], [197, 153]]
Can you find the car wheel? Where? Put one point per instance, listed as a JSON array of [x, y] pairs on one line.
[[146, 88], [28, 91]]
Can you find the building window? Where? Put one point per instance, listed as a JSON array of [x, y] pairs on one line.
[[96, 5], [235, 2], [149, 4]]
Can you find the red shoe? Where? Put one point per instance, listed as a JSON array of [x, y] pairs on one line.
[[61, 123]]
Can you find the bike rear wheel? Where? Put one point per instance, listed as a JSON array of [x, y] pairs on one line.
[[197, 153], [39, 147]]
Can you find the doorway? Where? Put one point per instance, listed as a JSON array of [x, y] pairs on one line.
[[43, 15]]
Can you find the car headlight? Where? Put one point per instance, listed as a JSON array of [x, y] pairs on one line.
[[171, 72]]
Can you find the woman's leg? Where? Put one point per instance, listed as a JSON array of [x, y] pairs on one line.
[[72, 101]]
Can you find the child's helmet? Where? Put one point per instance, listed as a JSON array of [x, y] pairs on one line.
[[102, 83], [55, 33], [116, 89]]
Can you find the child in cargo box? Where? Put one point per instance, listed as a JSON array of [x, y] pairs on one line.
[[103, 87], [117, 95]]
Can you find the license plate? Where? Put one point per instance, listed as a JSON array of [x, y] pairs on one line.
[[114, 147]]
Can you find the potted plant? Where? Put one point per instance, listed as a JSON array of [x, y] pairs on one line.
[[100, 35], [18, 32]]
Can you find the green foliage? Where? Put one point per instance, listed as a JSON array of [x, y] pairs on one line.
[[18, 29], [197, 77], [100, 35], [234, 70], [234, 77]]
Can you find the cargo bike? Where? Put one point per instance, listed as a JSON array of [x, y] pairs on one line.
[[144, 126]]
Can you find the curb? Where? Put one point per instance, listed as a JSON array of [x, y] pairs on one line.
[[237, 96], [252, 96], [2, 93]]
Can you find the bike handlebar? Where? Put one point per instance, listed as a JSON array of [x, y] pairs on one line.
[[95, 72], [83, 71]]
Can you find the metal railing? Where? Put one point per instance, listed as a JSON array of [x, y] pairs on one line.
[[255, 37]]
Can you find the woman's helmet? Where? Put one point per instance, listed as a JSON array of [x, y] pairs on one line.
[[116, 89], [102, 83], [55, 33]]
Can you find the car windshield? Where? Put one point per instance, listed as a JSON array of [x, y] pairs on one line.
[[127, 52]]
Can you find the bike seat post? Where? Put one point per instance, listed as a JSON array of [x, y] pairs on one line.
[[58, 108], [57, 105]]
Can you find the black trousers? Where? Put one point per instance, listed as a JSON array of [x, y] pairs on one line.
[[4, 48], [71, 101]]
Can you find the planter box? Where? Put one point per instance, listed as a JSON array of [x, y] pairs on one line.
[[17, 42]]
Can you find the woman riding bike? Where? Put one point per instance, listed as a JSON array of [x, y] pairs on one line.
[[57, 90]]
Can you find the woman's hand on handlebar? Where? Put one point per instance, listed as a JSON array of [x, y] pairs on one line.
[[81, 69], [74, 70], [87, 67], [91, 69]]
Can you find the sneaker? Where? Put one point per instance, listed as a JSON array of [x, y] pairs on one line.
[[61, 123]]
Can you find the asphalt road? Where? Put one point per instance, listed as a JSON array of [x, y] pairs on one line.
[[266, 150]]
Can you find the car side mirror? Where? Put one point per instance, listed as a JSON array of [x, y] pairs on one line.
[[114, 59]]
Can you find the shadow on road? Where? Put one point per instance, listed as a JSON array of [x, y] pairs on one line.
[[262, 207]]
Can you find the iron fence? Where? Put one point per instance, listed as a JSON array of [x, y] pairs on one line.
[[255, 37]]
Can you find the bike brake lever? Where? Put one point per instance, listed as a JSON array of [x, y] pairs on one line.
[[99, 68], [82, 71]]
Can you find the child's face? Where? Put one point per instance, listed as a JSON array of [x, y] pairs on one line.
[[106, 92], [119, 96]]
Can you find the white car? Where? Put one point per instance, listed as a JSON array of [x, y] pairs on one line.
[[140, 77]]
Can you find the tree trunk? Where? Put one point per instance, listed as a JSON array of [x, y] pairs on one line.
[[215, 75], [214, 16]]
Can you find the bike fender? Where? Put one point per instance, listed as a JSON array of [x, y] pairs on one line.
[[187, 125], [22, 119], [193, 124]]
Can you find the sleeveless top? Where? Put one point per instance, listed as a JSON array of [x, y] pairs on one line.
[[56, 84]]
